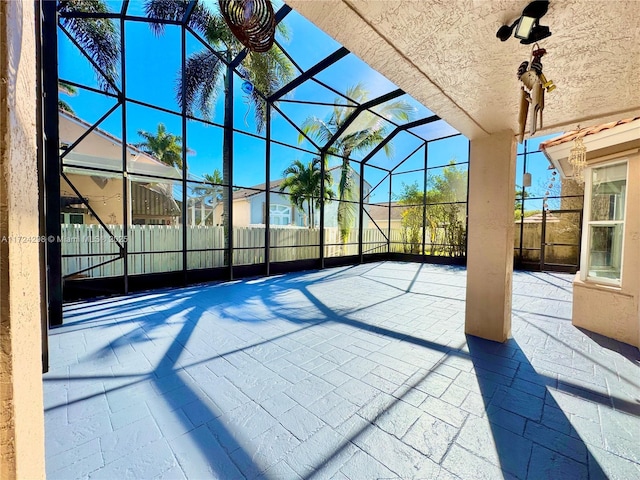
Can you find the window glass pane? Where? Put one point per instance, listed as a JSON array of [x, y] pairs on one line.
[[605, 255], [279, 215], [608, 192], [305, 42], [205, 230]]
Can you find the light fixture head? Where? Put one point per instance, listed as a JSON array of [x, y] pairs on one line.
[[539, 32], [527, 28]]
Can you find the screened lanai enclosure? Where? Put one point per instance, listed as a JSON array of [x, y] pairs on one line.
[[181, 157], [174, 155]]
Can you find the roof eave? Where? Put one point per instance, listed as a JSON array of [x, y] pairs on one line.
[[558, 154]]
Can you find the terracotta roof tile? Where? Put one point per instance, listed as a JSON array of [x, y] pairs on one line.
[[583, 132]]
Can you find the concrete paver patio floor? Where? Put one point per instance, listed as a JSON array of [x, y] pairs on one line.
[[358, 372]]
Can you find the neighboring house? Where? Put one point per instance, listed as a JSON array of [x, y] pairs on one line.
[[606, 290], [249, 205], [152, 202], [379, 213]]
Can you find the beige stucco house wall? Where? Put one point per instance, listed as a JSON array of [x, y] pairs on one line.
[[21, 404], [149, 201], [610, 310]]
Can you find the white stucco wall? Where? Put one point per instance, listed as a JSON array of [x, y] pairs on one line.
[[21, 405]]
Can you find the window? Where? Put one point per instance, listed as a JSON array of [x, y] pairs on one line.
[[606, 195], [279, 215], [72, 218]]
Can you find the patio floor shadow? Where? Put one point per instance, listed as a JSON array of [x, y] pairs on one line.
[[357, 372]]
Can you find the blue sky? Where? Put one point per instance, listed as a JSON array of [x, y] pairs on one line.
[[152, 67]]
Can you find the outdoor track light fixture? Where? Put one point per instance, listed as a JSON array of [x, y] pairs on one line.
[[528, 28]]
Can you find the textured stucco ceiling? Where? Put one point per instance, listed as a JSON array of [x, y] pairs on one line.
[[446, 55]]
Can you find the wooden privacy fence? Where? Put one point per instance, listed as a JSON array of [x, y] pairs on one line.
[[158, 248]]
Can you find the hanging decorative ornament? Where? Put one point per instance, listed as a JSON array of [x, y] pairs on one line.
[[578, 160], [548, 193], [252, 22], [247, 87], [534, 84]]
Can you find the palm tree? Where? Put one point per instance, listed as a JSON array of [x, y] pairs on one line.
[[212, 192], [364, 133], [98, 37], [206, 72], [163, 145], [303, 185]]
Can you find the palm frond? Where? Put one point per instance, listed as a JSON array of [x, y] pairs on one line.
[[283, 30], [164, 146], [217, 33], [65, 107], [202, 78], [316, 129], [268, 72], [396, 110], [357, 92], [174, 10], [67, 88], [98, 37]]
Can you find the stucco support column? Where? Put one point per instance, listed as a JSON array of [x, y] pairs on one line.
[[21, 406], [492, 167]]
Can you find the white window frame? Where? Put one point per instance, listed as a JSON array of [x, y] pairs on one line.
[[284, 213], [586, 230]]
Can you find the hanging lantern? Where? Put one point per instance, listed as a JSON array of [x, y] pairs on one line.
[[578, 160]]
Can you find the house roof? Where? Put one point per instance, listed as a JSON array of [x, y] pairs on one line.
[[107, 152], [583, 132], [604, 139], [254, 190], [104, 133], [379, 212], [275, 186]]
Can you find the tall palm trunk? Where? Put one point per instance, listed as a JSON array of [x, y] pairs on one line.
[[227, 158], [345, 210]]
